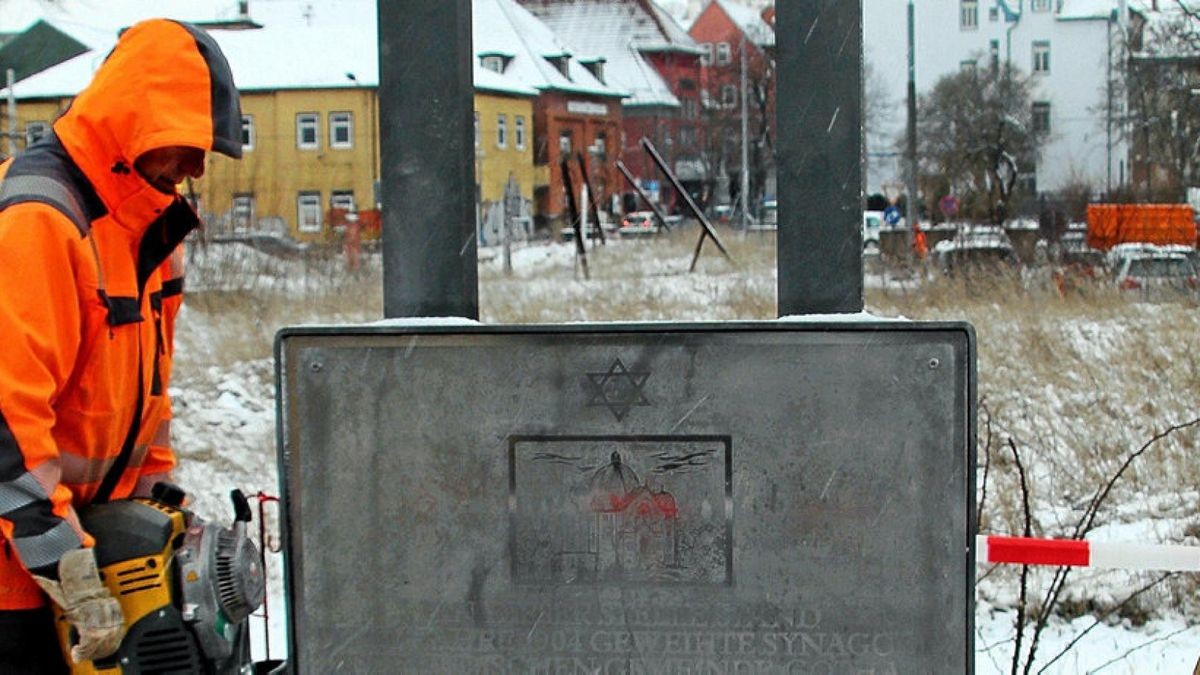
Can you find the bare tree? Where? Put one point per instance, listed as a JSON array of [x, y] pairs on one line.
[[1156, 102], [878, 113], [977, 137], [722, 118]]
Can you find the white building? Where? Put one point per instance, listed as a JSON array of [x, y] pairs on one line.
[[1064, 44]]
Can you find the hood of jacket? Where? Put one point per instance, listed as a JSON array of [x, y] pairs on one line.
[[166, 83]]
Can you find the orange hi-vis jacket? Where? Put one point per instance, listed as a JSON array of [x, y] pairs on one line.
[[90, 281]]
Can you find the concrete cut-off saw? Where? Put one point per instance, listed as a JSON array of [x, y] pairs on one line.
[[186, 587]]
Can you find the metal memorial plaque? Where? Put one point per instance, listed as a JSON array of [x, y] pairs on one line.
[[770, 497]]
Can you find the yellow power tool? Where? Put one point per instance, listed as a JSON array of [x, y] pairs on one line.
[[186, 586]]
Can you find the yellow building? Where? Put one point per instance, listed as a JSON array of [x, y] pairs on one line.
[[308, 151], [503, 144], [311, 129], [34, 117]]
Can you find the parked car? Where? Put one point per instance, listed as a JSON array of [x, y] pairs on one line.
[[568, 233], [722, 213], [769, 220], [638, 224], [982, 249], [1152, 269], [871, 225]]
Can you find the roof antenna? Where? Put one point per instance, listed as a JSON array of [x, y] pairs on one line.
[[308, 14]]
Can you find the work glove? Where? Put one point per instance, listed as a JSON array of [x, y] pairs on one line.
[[87, 603]]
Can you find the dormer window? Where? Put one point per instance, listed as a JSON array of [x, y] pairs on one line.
[[496, 62], [493, 63], [595, 67], [561, 63]]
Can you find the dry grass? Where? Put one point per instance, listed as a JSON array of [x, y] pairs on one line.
[[1077, 380]]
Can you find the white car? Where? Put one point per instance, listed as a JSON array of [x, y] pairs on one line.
[[1148, 268], [871, 225], [638, 224]]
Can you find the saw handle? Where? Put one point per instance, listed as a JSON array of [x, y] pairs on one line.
[[168, 493], [241, 506]]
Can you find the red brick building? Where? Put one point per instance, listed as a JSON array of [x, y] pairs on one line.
[[567, 123], [575, 111], [723, 30], [647, 55]]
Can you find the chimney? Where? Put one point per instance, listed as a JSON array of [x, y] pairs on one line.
[[243, 9]]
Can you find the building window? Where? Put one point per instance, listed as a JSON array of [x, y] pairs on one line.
[[306, 131], [688, 108], [501, 131], [687, 137], [493, 63], [994, 54], [967, 66], [34, 132], [1040, 5], [308, 211], [993, 13], [564, 143], [968, 14], [247, 132], [600, 146], [596, 68], [341, 130], [728, 95], [1041, 56], [476, 128], [519, 130], [561, 63], [243, 212], [1041, 117], [724, 56], [706, 53], [344, 200]]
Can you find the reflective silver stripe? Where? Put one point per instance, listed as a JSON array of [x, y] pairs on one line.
[[76, 469], [20, 492], [48, 188], [46, 548]]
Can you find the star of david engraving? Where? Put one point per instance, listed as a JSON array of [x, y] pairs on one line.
[[619, 389]]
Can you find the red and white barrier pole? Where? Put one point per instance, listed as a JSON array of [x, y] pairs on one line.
[[1078, 553]]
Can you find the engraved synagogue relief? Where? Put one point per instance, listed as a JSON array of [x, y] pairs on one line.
[[620, 510]]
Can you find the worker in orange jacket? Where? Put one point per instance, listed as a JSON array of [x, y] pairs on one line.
[[90, 279]]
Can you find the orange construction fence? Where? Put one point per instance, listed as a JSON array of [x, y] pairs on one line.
[[1161, 224]]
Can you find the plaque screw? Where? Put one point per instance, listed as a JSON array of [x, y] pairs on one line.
[[315, 366], [934, 363]]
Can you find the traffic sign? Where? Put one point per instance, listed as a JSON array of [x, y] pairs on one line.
[[891, 215], [949, 205]]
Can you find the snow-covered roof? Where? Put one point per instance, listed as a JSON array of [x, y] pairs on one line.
[[620, 31], [301, 45], [676, 35], [506, 27], [750, 22], [109, 14], [1097, 9], [1086, 9]]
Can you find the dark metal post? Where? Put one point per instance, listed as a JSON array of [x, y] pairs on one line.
[[708, 230], [593, 210], [911, 212], [658, 214], [427, 143], [819, 118], [573, 214]]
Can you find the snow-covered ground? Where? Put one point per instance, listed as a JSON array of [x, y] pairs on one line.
[[1077, 385]]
